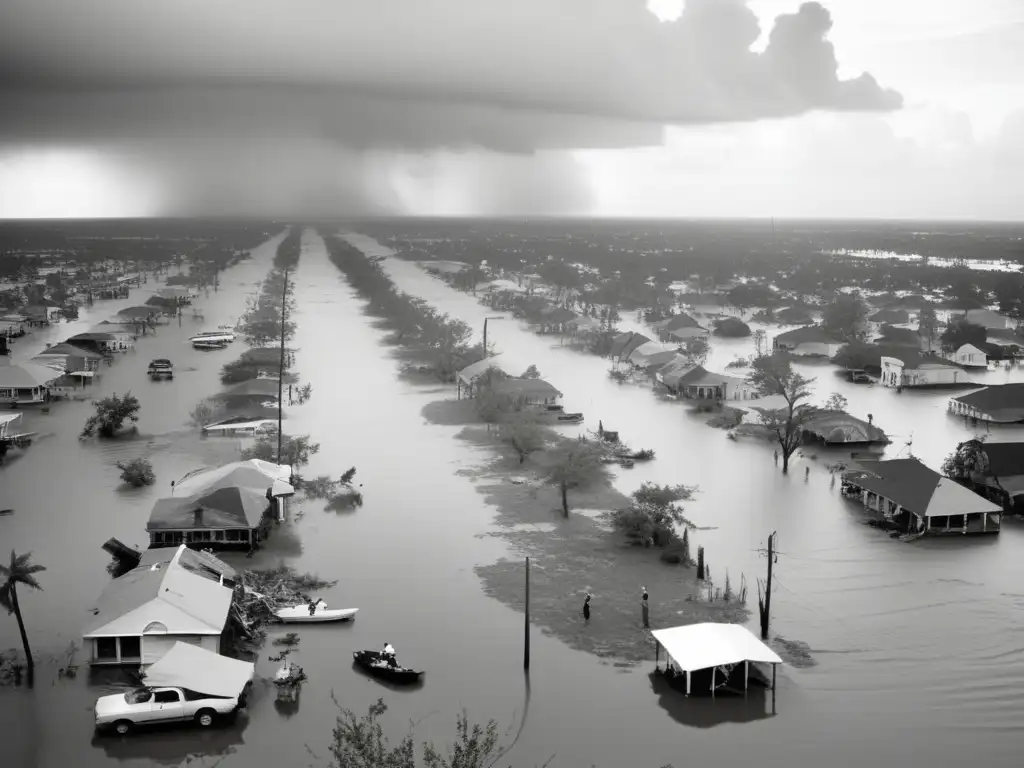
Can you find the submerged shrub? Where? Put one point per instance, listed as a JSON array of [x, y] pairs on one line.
[[136, 473]]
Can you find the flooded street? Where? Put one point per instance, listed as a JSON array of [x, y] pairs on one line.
[[917, 645]]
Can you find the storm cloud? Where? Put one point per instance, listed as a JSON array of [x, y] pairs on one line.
[[426, 76]]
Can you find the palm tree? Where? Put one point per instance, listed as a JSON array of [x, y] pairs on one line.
[[19, 572]]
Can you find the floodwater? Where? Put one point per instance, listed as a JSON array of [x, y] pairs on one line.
[[917, 644]]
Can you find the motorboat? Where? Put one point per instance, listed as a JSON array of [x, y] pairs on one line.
[[301, 614], [377, 665], [247, 426], [209, 344], [161, 368]]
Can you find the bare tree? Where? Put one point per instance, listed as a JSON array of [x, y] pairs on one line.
[[522, 431], [774, 375], [576, 466]]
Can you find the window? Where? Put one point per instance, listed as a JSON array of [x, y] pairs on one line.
[[167, 697], [140, 696], [131, 648], [106, 649]]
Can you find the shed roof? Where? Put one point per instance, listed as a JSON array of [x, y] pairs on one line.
[[700, 646], [256, 474], [197, 669], [64, 349], [919, 489], [168, 594], [675, 323], [253, 387], [841, 427], [624, 344]]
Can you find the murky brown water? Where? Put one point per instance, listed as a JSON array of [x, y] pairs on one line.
[[918, 645]]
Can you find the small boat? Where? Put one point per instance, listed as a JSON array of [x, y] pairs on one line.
[[289, 674], [223, 334], [209, 344], [300, 614], [374, 663], [161, 368], [241, 426]]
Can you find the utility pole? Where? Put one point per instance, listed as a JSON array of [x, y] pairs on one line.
[[280, 372], [526, 626], [497, 317], [766, 604]]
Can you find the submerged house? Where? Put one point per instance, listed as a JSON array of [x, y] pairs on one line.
[[679, 328], [698, 383], [986, 318], [226, 517], [998, 404], [969, 356], [527, 391], [993, 469], [76, 361], [468, 378], [809, 341], [914, 369], [910, 497], [624, 344], [172, 595], [840, 428]]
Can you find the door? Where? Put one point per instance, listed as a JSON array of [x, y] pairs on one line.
[[168, 705]]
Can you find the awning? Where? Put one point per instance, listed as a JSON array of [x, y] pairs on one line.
[[700, 646], [199, 670]]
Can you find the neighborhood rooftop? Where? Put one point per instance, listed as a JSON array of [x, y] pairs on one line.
[[918, 489]]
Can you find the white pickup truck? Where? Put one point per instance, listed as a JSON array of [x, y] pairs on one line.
[[122, 712]]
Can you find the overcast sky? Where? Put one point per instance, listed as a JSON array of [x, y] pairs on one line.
[[735, 108]]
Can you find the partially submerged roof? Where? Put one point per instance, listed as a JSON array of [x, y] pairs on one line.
[[624, 344], [525, 388], [558, 315], [701, 646], [919, 489], [807, 334], [676, 322], [27, 376], [1004, 459], [252, 473], [160, 596], [841, 427], [970, 349], [253, 388], [1005, 401], [473, 371], [200, 670], [66, 349], [196, 561], [220, 508]]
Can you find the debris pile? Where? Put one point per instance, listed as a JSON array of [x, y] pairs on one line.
[[261, 593]]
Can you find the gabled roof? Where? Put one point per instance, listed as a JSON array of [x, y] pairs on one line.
[[919, 489], [195, 561], [475, 370], [698, 376], [558, 315], [914, 360], [253, 387], [166, 594], [970, 349], [624, 344], [809, 333]]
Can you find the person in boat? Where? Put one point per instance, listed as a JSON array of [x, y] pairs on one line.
[[312, 606], [388, 654]]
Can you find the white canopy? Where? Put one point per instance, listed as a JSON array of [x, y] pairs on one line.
[[700, 646], [199, 670]]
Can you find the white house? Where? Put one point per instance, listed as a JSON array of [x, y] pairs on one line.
[[173, 594], [969, 356], [811, 340], [914, 370]]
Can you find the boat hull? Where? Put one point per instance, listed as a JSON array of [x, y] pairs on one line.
[[369, 661], [301, 615]]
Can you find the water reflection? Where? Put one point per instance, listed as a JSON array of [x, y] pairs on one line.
[[174, 744], [707, 711]]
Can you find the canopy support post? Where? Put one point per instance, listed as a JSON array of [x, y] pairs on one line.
[[657, 654], [714, 670], [773, 676], [687, 682], [746, 676]]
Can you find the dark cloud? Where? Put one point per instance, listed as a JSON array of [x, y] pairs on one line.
[[193, 81]]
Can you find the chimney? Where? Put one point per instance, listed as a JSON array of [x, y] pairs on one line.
[[197, 517]]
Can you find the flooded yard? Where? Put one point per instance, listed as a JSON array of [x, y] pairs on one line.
[[917, 645]]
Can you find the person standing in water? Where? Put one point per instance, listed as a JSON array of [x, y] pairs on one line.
[[807, 473], [645, 610], [586, 609], [776, 458]]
